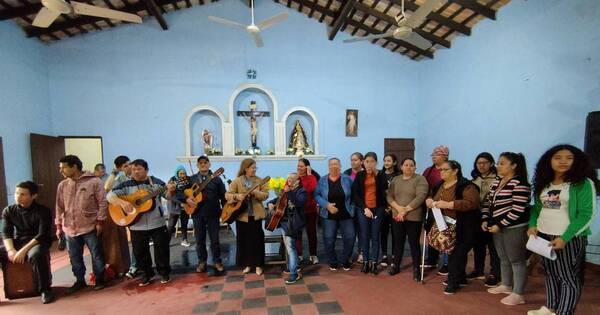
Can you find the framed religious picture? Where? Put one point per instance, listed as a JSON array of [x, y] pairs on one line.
[[351, 122]]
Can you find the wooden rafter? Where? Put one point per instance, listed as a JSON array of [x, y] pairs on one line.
[[477, 8], [154, 11], [341, 18]]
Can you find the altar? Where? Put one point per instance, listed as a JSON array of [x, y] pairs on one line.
[[252, 127]]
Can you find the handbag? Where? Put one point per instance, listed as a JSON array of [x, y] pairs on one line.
[[444, 241]]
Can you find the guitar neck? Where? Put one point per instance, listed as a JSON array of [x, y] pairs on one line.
[[154, 194]]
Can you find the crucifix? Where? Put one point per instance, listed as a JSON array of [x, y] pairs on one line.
[[252, 116]]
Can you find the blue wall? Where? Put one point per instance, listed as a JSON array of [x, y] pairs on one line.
[[522, 83], [24, 104], [134, 85]]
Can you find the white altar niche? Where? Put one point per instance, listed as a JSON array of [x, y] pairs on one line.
[[201, 121], [262, 114]]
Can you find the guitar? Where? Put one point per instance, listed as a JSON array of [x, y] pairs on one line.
[[232, 210], [278, 213], [195, 192], [141, 201]]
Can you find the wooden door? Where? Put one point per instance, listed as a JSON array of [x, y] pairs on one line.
[[45, 153], [3, 193], [401, 147]]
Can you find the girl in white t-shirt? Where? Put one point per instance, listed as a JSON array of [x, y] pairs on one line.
[[565, 187]]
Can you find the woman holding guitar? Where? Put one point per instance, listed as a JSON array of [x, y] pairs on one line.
[[250, 235]]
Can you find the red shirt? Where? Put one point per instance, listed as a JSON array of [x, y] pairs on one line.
[[433, 176], [309, 183]]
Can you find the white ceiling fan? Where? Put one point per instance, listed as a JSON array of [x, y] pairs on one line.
[[52, 9], [253, 29], [404, 29]]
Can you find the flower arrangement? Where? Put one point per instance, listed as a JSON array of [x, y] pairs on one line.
[[239, 151], [276, 184], [270, 152]]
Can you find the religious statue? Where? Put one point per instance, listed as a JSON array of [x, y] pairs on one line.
[[207, 138], [252, 116], [298, 142]]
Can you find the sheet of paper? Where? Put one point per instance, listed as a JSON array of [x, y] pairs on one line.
[[540, 246], [439, 219]]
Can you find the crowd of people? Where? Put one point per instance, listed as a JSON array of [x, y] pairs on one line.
[[493, 214]]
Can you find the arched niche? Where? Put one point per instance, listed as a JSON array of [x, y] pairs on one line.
[[197, 120], [309, 123], [265, 102]]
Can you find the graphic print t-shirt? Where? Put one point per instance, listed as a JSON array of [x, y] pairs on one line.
[[554, 217]]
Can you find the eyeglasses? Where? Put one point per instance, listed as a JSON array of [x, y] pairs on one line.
[[444, 169]]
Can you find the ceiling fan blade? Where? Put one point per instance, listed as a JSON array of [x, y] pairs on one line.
[[272, 21], [419, 16], [45, 17], [369, 37], [257, 39], [225, 22], [91, 10], [417, 40]]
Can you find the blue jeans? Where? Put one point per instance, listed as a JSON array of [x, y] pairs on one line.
[[330, 228], [369, 229], [292, 253], [75, 248]]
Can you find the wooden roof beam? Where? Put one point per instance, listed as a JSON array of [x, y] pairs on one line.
[[341, 18], [155, 11], [15, 12], [477, 8]]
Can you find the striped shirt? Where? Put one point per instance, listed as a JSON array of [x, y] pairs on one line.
[[508, 206], [151, 219]]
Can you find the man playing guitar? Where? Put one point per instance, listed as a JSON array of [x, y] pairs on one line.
[[206, 216]]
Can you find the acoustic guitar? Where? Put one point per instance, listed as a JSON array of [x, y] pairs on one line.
[[278, 213], [232, 210], [141, 201], [195, 192]]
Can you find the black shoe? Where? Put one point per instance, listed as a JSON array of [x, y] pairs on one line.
[[443, 271], [201, 267], [491, 281], [417, 275], [334, 267], [145, 281], [132, 273], [165, 279], [99, 285], [78, 285], [365, 267], [450, 289], [394, 269], [47, 297], [476, 275], [373, 266], [219, 269], [347, 266]]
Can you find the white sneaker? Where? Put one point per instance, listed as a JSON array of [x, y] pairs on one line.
[[359, 259], [501, 289], [185, 243], [513, 299], [259, 271], [314, 260], [542, 311]]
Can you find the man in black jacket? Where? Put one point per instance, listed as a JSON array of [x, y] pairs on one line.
[[207, 214], [27, 236]]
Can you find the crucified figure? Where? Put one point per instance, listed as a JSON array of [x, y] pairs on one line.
[[252, 116]]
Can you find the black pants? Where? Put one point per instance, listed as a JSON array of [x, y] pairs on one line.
[[184, 218], [400, 231], [479, 253], [457, 262], [39, 258], [250, 243], [386, 227], [203, 224], [141, 250]]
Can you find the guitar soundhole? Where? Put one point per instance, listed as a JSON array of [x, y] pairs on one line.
[[138, 202]]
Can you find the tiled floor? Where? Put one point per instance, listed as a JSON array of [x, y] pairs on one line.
[[321, 291]]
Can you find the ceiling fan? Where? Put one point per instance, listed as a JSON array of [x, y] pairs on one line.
[[405, 27], [52, 9], [253, 29]]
